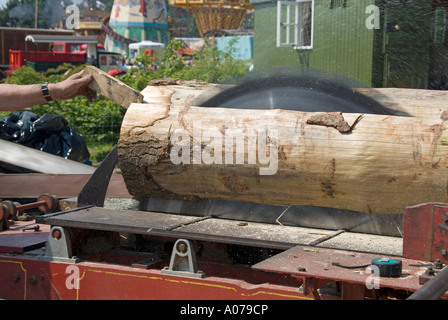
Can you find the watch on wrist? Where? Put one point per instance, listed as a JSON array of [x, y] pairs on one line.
[[45, 91]]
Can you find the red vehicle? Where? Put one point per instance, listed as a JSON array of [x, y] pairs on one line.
[[65, 49]]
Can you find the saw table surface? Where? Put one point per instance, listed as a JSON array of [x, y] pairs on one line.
[[305, 261], [219, 230], [16, 240]]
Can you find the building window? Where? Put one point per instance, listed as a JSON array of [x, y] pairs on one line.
[[295, 24], [75, 47]]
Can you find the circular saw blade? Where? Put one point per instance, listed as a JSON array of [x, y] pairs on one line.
[[299, 93]]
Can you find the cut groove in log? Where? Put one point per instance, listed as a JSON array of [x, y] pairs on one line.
[[172, 149]]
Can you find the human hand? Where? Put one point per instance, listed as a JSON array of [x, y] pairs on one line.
[[75, 85]]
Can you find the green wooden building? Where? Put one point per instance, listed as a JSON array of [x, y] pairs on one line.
[[381, 43]]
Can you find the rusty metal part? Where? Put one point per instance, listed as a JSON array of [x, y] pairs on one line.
[[35, 228], [11, 208], [46, 203], [431, 271], [434, 289], [4, 215]]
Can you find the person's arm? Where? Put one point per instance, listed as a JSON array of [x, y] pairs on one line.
[[14, 97]]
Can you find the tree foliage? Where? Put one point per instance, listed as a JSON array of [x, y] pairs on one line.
[[209, 65]]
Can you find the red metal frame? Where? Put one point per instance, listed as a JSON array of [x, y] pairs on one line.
[[28, 279], [297, 273], [424, 239]]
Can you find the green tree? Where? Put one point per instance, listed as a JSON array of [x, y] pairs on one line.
[[215, 66], [26, 75]]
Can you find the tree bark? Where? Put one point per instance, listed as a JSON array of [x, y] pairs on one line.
[[172, 149]]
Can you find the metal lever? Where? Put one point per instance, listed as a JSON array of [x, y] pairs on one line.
[[443, 227]]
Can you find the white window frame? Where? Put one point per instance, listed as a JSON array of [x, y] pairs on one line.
[[292, 26]]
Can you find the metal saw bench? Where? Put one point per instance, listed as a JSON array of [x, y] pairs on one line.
[[251, 259], [229, 250]]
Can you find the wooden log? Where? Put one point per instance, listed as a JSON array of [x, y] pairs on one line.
[[171, 148], [416, 102], [111, 88]]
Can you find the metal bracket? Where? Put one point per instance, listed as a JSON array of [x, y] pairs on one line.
[[183, 261], [58, 247]]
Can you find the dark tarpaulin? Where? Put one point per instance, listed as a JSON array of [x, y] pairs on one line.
[[49, 133]]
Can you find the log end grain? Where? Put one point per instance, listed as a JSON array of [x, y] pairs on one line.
[[139, 154]]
